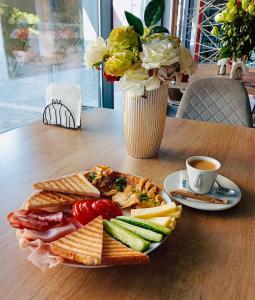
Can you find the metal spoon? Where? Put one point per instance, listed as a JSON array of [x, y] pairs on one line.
[[225, 191]]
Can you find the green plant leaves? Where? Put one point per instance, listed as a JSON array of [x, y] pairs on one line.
[[135, 22], [225, 51], [154, 12], [158, 29]]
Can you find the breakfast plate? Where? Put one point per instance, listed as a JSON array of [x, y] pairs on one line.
[[152, 247], [175, 181], [95, 218]]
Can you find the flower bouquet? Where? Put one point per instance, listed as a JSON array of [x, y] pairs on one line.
[[236, 24], [17, 27], [144, 59]]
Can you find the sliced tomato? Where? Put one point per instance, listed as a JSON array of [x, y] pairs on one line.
[[86, 211]]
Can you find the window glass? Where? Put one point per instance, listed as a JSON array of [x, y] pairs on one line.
[[137, 8], [43, 41]]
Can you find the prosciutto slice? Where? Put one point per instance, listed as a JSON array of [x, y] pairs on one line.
[[37, 220]]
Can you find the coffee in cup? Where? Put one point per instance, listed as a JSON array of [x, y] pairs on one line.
[[202, 173]]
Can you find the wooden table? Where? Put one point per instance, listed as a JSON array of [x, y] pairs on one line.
[[210, 255]]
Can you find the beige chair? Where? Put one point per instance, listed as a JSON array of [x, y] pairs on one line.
[[216, 99]]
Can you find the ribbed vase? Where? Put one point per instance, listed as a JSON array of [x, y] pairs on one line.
[[144, 122]]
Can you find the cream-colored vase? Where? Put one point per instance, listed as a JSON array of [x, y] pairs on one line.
[[144, 122]]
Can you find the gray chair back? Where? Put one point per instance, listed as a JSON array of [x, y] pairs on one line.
[[216, 99]]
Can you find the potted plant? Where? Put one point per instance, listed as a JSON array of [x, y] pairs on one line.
[[144, 59], [237, 32], [17, 26]]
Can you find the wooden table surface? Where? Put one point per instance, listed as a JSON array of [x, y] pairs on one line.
[[210, 255]]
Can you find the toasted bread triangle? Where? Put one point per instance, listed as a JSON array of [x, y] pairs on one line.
[[76, 184], [115, 253], [83, 245], [44, 199]]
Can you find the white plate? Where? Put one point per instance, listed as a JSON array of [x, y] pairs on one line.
[[173, 181], [152, 247]]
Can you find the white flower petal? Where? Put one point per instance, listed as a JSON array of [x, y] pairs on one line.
[[152, 83], [95, 52], [137, 91], [157, 53]]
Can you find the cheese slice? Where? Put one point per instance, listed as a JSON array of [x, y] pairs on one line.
[[177, 213], [151, 212], [172, 224], [164, 221]]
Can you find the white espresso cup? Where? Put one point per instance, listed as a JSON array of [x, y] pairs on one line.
[[202, 172]]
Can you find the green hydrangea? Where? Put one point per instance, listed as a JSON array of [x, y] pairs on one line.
[[123, 38], [117, 64]]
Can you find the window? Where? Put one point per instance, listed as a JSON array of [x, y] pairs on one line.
[[136, 7], [43, 41]]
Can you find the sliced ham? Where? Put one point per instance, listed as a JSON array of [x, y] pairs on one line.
[[39, 243], [41, 255], [49, 235], [37, 229]]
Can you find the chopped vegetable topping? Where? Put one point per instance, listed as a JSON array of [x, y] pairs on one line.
[[91, 176], [143, 197], [121, 184]]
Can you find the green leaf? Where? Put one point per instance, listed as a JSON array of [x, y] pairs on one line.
[[135, 22], [154, 12], [225, 52], [158, 29]]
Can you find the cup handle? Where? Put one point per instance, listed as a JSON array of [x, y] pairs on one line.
[[197, 180]]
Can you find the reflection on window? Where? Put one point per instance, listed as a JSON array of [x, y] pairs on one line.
[[43, 41]]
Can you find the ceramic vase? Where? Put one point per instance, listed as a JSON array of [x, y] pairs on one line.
[[144, 121]]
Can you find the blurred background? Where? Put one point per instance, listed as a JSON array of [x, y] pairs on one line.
[[44, 41]]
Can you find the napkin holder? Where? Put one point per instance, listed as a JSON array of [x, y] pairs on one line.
[[58, 114]]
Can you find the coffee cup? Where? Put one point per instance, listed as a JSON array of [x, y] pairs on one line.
[[202, 173]]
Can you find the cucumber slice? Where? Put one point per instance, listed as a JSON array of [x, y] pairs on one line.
[[145, 224], [147, 234], [125, 236]]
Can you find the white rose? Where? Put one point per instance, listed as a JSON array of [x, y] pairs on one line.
[[157, 53], [187, 65], [136, 80], [95, 52], [152, 83]]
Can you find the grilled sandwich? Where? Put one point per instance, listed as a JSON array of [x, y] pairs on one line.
[[115, 253], [44, 199], [83, 245], [76, 184]]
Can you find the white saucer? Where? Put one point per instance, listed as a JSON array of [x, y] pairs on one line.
[[174, 181]]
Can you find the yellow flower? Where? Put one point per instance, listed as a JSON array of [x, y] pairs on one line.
[[146, 32], [215, 31], [175, 40], [117, 64], [123, 38]]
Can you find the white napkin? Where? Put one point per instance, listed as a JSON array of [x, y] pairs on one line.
[[71, 96]]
